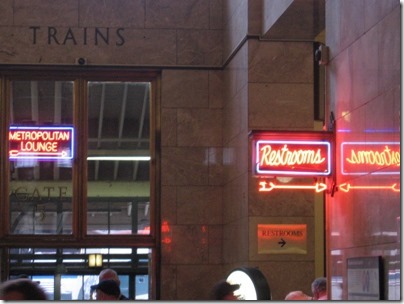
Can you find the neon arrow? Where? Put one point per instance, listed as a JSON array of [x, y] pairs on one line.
[[16, 153], [347, 186], [318, 187]]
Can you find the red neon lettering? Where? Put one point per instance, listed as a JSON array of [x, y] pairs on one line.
[[32, 146], [285, 157], [385, 158], [39, 135]]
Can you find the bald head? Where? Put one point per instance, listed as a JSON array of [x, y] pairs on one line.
[[297, 295], [109, 274]]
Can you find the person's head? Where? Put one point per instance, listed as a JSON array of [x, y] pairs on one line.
[[319, 288], [107, 290], [297, 295], [223, 290], [21, 289], [109, 274]]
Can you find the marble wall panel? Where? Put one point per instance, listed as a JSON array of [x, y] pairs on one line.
[[376, 10], [185, 89], [235, 25], [184, 166], [255, 15], [235, 157], [216, 14], [281, 276], [235, 200], [169, 282], [236, 76], [390, 51], [45, 13], [216, 94], [272, 10], [280, 106], [189, 245], [364, 94], [177, 14], [122, 32], [19, 44], [169, 205], [6, 9], [352, 27], [168, 127], [199, 205], [280, 62], [235, 237], [216, 166], [235, 115], [199, 127], [199, 47], [196, 281], [215, 244], [333, 27], [364, 61], [112, 13]]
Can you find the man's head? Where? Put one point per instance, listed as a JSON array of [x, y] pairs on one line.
[[319, 288], [297, 295], [21, 289], [107, 290], [223, 290], [109, 274]]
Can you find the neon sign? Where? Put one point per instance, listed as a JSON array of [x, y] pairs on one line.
[[292, 157], [379, 158], [41, 143], [269, 186], [346, 187]]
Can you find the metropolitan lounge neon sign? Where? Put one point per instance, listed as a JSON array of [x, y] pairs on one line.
[[41, 143]]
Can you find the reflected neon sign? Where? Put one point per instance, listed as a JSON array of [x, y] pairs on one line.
[[292, 157], [346, 187], [40, 143], [379, 158]]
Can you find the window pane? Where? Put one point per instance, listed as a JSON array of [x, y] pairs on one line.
[[41, 151], [118, 158], [66, 274]]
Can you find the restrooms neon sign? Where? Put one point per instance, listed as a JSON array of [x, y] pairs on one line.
[[291, 158]]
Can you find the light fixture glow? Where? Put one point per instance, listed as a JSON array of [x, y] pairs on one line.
[[95, 260]]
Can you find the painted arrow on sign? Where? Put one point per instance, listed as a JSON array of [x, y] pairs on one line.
[[270, 186], [347, 186], [282, 242]]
